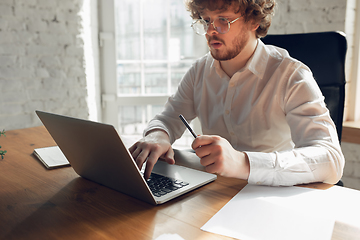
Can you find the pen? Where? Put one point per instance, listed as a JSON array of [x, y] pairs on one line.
[[187, 125]]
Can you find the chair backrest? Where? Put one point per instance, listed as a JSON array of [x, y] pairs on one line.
[[324, 53]]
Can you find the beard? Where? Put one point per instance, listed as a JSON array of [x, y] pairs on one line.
[[238, 45]]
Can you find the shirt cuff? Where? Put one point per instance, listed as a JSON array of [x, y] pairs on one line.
[[262, 167], [156, 124]]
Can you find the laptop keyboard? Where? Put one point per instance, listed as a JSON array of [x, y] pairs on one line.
[[161, 185]]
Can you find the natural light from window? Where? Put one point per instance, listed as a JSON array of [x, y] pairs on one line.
[[155, 46]]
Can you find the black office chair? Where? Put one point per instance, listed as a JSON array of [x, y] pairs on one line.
[[324, 53]]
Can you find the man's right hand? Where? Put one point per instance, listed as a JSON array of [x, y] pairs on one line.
[[149, 149]]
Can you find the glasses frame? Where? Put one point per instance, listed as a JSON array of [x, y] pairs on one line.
[[207, 24]]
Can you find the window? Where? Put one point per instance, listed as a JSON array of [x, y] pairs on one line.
[[353, 61], [153, 46]]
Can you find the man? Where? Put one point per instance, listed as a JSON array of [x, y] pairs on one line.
[[262, 114]]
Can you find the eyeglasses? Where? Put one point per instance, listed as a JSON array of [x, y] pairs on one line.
[[220, 24]]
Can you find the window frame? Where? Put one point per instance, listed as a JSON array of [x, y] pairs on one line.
[[110, 98], [353, 58]]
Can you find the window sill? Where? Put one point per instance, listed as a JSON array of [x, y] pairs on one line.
[[351, 132]]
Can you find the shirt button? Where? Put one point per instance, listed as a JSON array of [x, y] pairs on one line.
[[227, 112], [232, 133]]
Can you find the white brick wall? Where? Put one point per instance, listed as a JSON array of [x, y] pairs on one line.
[[301, 16], [351, 177], [41, 61]]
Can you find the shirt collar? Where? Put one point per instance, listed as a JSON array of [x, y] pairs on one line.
[[256, 64]]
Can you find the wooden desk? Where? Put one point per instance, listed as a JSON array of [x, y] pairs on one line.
[[36, 203]]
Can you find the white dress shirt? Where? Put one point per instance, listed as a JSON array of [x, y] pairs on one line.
[[272, 109]]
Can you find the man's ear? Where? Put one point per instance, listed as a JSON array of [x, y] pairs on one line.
[[255, 27]]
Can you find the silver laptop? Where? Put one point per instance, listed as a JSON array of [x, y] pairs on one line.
[[97, 153]]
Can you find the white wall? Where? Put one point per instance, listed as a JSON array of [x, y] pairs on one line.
[[41, 61], [301, 16], [351, 177]]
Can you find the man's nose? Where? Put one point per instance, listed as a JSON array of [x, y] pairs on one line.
[[211, 29]]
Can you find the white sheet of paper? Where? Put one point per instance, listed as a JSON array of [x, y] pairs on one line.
[[51, 157], [261, 212]]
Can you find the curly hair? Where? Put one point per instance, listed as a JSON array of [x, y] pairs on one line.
[[256, 11]]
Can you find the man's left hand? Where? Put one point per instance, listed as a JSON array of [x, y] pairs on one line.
[[218, 156]]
